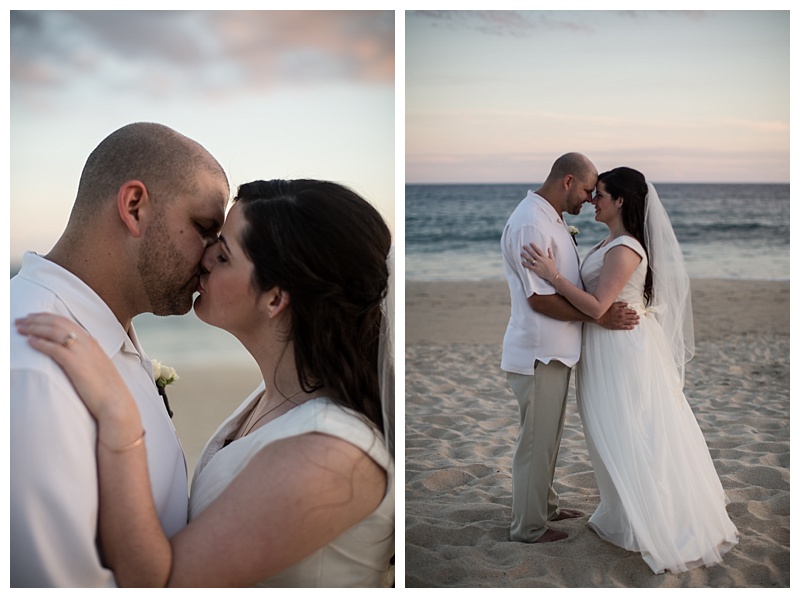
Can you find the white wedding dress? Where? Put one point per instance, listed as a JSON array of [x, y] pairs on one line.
[[659, 492], [357, 558]]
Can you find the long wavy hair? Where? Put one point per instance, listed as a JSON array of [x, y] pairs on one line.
[[631, 186], [327, 247]]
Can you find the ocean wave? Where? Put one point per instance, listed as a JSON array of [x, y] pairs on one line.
[[726, 230]]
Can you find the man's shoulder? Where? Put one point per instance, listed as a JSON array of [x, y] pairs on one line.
[[529, 212], [27, 297], [523, 216], [527, 221]]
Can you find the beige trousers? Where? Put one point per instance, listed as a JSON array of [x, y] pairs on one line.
[[542, 402]]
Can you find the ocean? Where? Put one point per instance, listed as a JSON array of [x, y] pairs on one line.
[[731, 231], [186, 341]]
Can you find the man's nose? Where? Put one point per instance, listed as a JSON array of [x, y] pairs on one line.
[[206, 263], [211, 239]]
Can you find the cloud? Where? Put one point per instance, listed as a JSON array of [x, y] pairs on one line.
[[310, 45], [221, 53], [502, 23], [528, 23]]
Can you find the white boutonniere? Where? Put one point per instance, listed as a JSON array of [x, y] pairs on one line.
[[573, 230], [163, 375]]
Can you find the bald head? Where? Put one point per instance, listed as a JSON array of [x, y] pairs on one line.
[[578, 165], [570, 183], [161, 158]]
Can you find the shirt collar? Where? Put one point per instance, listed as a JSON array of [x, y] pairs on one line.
[[86, 306], [546, 206]]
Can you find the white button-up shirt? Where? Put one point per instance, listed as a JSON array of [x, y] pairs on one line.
[[532, 336], [54, 487]]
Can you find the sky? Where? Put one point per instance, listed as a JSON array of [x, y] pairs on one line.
[[683, 96], [271, 94], [488, 96]]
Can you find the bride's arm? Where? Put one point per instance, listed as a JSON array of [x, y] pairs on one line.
[[292, 498], [618, 265], [133, 542]]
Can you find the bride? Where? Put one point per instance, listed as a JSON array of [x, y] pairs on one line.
[[296, 488], [659, 492]]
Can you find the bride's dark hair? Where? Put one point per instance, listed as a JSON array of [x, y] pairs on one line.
[[631, 186], [327, 247]]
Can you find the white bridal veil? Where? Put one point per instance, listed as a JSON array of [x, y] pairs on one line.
[[386, 357], [671, 288]]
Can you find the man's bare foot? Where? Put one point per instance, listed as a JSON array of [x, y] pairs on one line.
[[567, 514], [551, 535]]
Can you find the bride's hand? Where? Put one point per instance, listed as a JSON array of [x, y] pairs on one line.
[[537, 261], [92, 373]]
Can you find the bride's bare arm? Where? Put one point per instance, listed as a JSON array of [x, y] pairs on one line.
[[618, 317], [292, 498], [134, 545], [618, 266]]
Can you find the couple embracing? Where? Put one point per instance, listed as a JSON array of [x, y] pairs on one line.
[[623, 320], [296, 487]]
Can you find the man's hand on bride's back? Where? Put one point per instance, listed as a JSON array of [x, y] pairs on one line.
[[619, 317]]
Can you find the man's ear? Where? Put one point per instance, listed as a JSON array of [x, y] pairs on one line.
[[567, 181], [274, 302], [132, 201]]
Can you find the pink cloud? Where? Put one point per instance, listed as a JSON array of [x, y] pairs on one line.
[[210, 52]]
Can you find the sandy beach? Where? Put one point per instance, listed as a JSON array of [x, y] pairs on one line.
[[203, 398], [461, 425]]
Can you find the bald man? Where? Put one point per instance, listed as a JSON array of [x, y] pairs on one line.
[[543, 342], [149, 202]]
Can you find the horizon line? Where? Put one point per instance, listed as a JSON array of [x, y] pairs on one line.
[[654, 182]]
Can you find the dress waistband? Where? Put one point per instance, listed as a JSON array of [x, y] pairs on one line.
[[650, 310]]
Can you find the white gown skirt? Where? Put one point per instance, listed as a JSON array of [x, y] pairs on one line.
[[659, 492]]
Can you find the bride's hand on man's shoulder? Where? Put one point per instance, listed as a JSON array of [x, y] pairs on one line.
[[539, 262], [84, 361]]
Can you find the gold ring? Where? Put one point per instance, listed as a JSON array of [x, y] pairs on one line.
[[69, 339]]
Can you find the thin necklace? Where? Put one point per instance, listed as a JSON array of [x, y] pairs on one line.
[[252, 424]]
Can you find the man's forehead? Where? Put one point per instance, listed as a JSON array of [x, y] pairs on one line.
[[213, 191], [209, 205]]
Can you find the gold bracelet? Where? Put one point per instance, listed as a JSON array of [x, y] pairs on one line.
[[127, 447], [556, 279]]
